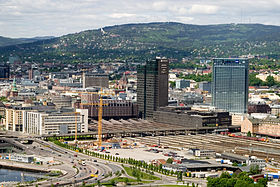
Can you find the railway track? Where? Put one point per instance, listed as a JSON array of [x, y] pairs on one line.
[[219, 143]]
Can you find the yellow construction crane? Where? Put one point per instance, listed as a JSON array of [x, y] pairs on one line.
[[100, 110]]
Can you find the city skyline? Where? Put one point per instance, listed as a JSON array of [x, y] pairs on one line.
[[55, 18]]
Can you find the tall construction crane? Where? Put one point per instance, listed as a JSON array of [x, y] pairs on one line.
[[100, 110]]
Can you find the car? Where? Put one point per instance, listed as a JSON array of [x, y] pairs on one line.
[[94, 160], [117, 154], [83, 163]]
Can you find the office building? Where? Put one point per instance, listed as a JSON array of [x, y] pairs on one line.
[[42, 120], [56, 122], [180, 84], [14, 119], [204, 153], [152, 86], [190, 98], [205, 86], [117, 109], [251, 160], [15, 116], [230, 84], [95, 80], [62, 101], [258, 108], [4, 71], [189, 118], [275, 110]]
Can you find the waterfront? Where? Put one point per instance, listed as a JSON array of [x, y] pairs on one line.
[[17, 176]]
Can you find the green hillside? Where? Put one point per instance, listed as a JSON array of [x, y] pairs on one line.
[[144, 41]]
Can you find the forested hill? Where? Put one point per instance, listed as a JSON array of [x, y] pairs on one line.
[[147, 40]]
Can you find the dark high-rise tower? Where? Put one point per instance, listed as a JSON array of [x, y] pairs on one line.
[[230, 84], [152, 86], [4, 71]]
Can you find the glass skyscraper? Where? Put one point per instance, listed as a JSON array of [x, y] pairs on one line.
[[230, 84]]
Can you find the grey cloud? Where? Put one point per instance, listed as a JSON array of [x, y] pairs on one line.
[[28, 18]]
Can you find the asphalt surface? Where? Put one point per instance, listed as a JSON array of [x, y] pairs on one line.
[[68, 160]]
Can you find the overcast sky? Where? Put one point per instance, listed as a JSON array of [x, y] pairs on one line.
[[29, 18]]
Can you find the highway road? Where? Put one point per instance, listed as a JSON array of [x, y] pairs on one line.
[[68, 159]]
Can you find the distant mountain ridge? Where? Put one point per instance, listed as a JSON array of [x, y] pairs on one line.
[[4, 41], [142, 41]]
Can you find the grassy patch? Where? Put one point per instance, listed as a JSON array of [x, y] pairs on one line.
[[134, 172], [113, 182], [54, 173]]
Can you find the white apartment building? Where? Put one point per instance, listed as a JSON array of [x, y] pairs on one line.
[[42, 123]]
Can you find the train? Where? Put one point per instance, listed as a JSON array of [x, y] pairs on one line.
[[245, 137]]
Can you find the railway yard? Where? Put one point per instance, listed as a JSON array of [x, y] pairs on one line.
[[130, 124], [219, 143]]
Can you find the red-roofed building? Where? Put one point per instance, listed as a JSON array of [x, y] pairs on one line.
[[158, 162]]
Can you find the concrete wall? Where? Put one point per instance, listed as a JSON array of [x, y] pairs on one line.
[[246, 126]]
